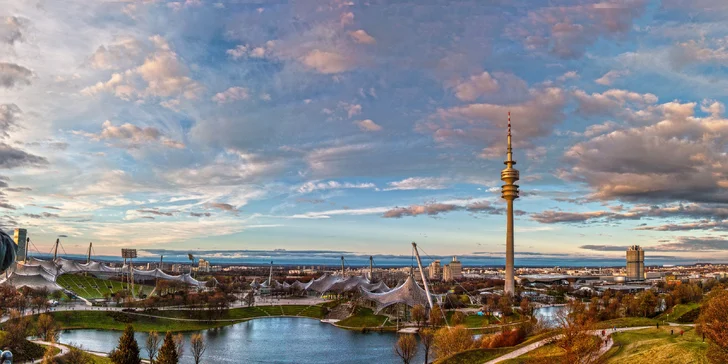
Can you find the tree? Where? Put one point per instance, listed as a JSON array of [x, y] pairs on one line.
[[436, 316], [128, 350], [427, 338], [451, 340], [46, 328], [576, 340], [457, 318], [77, 356], [179, 343], [419, 315], [526, 307], [406, 347], [197, 347], [712, 323], [505, 304], [168, 351], [152, 345], [49, 356]]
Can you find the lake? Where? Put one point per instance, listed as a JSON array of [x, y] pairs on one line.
[[269, 340]]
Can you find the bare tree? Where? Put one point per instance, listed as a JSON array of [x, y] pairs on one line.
[[419, 314], [152, 345], [406, 347], [427, 338], [197, 347], [179, 343]]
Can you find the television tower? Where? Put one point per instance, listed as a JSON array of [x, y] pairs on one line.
[[509, 192]]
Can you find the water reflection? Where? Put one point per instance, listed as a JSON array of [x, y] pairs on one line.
[[547, 315], [270, 340]]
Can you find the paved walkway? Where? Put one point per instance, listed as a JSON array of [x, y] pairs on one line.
[[528, 348], [64, 349]]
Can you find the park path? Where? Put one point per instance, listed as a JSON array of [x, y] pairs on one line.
[[528, 348], [64, 349]]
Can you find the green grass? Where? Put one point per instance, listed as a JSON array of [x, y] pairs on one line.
[[472, 321], [484, 355], [627, 322], [117, 321], [364, 317], [244, 313], [677, 311], [657, 346], [90, 287]]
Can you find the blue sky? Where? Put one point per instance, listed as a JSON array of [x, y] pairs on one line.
[[363, 126]]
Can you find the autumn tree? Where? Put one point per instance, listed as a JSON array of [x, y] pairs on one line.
[[406, 347], [197, 347], [713, 324], [179, 343], [152, 345], [451, 340], [505, 304], [427, 338], [457, 318], [50, 355], [436, 316], [419, 315], [128, 350], [46, 328], [77, 356], [168, 351], [576, 339], [526, 307]]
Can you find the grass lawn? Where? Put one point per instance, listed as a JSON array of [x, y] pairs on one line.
[[244, 313], [657, 346], [484, 355], [364, 317], [117, 321], [90, 287], [627, 322], [677, 311]]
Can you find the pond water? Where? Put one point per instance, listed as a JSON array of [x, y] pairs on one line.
[[548, 314], [269, 340]]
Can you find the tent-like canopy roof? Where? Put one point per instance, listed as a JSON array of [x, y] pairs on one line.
[[408, 293]]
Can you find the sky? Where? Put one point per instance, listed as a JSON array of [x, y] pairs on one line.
[[365, 125]]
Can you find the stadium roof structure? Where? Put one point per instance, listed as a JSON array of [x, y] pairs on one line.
[[408, 293], [329, 284], [32, 276], [39, 273]]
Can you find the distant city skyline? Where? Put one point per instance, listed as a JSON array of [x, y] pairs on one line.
[[364, 126]]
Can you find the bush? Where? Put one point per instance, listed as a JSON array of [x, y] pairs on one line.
[[504, 338], [120, 317]]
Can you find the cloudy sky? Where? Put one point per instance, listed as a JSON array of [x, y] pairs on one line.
[[364, 125]]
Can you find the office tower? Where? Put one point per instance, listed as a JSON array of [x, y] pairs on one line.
[[635, 263]]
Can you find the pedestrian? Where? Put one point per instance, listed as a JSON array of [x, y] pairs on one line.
[[671, 330], [6, 357], [681, 332], [603, 332], [658, 325]]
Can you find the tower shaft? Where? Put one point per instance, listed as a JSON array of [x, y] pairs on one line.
[[509, 192]]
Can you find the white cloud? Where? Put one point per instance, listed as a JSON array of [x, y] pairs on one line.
[[368, 125], [361, 36], [418, 183], [327, 62], [610, 77], [231, 94], [476, 86], [309, 187]]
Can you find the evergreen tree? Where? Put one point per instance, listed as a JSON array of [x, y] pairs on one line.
[[168, 351], [128, 350]]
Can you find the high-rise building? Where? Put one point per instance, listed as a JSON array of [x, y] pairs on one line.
[[635, 263], [203, 266], [452, 270], [456, 268], [434, 270], [21, 236], [509, 192]]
